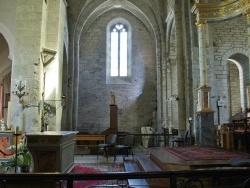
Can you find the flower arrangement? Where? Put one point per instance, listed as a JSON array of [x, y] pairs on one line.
[[21, 157]]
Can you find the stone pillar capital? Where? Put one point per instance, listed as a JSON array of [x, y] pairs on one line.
[[201, 24], [247, 14]]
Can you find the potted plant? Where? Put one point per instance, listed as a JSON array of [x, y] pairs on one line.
[[20, 158]]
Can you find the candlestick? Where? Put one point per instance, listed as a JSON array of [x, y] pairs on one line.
[[17, 130], [9, 116]]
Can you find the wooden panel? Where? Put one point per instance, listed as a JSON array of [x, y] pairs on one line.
[[45, 165], [90, 137], [52, 151], [87, 143], [227, 139]]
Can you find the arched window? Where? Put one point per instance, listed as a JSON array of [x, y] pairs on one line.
[[119, 45], [118, 61]]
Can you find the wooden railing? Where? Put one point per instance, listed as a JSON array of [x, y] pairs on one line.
[[239, 177]]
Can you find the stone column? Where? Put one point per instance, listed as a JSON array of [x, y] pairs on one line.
[[26, 65], [39, 44], [164, 99], [247, 14], [205, 116], [180, 65], [202, 26]]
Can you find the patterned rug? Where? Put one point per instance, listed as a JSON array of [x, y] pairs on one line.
[[204, 153], [96, 168]]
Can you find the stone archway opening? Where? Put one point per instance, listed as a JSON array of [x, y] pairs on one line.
[[238, 75], [5, 78]]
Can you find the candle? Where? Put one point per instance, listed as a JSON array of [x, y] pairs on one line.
[[9, 116], [16, 129]]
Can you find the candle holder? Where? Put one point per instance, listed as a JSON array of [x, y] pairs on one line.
[[16, 137], [190, 120], [20, 92]]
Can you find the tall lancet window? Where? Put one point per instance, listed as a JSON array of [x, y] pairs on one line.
[[119, 50]]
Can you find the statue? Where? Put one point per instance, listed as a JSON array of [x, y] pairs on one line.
[[112, 97], [145, 139]]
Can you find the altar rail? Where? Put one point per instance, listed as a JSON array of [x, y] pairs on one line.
[[239, 177]]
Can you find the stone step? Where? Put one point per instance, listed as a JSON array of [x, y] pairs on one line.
[[147, 165], [133, 167]]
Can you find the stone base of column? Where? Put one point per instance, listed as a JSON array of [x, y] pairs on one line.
[[205, 129]]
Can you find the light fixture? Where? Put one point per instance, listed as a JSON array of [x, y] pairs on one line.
[[190, 120], [20, 92]]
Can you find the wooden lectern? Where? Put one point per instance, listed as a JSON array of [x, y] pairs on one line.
[[113, 128]]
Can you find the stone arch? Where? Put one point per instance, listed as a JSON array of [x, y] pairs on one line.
[[5, 75], [233, 51], [240, 60], [9, 38], [241, 80], [170, 24], [5, 65]]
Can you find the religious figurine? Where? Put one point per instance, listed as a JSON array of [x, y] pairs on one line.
[[146, 131], [112, 97]]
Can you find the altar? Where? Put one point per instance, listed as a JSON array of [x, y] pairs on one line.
[[52, 151]]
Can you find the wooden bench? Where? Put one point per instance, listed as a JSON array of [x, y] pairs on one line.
[[90, 137], [90, 141]]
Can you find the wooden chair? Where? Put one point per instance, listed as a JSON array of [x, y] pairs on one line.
[[110, 142], [126, 148], [240, 134]]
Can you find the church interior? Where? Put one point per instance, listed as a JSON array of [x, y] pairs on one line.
[[173, 74]]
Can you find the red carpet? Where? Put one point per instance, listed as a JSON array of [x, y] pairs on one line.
[[95, 168], [204, 153]]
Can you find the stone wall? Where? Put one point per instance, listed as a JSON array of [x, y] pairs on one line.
[[136, 101], [229, 40], [234, 88]]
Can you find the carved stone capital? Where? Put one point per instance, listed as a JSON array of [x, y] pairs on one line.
[[201, 24], [247, 14], [220, 10]]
